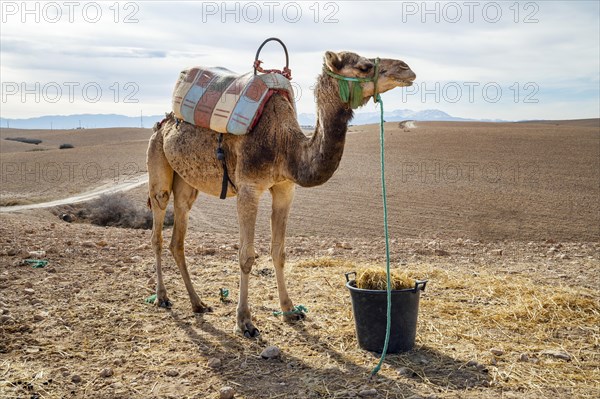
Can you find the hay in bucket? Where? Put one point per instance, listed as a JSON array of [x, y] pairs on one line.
[[375, 278]]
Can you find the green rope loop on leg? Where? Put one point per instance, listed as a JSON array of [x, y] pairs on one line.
[[300, 309]]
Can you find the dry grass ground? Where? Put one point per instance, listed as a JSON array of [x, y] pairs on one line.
[[511, 309]]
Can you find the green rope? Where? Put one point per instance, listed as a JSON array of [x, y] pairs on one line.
[[300, 309], [151, 299], [36, 263], [223, 294], [343, 83], [387, 241]]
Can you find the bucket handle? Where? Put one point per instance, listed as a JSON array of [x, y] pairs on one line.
[[348, 276], [420, 285]]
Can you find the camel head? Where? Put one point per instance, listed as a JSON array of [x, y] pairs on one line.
[[372, 75]]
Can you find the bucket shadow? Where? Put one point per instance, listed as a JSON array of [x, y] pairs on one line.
[[422, 364]]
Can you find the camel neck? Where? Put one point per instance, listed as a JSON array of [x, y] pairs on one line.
[[320, 156]]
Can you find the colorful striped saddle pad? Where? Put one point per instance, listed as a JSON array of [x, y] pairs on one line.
[[218, 99]]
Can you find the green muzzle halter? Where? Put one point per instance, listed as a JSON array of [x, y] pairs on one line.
[[351, 88]]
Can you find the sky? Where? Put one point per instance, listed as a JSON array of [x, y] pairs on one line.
[[475, 59]]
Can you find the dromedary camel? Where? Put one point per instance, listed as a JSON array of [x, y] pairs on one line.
[[274, 156]]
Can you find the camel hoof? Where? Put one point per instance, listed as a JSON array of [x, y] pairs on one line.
[[163, 303], [291, 318], [202, 309], [249, 331]]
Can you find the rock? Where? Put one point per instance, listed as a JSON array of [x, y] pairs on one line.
[[472, 363], [441, 252], [523, 357], [552, 250], [28, 284], [226, 393], [270, 352], [88, 244], [102, 243], [406, 372], [214, 363], [171, 373], [497, 252], [556, 353], [119, 362], [76, 379], [330, 251], [367, 392], [497, 352], [37, 254], [12, 251], [107, 372], [5, 319], [66, 217], [40, 316], [151, 282], [29, 291]]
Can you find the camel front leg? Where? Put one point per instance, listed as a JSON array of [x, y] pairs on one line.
[[283, 195], [247, 206]]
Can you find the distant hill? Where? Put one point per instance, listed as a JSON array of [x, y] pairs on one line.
[[85, 121], [397, 115], [90, 121]]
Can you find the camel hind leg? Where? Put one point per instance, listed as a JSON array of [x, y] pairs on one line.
[[160, 183], [184, 196]]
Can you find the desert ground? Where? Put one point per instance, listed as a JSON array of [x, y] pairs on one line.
[[502, 219]]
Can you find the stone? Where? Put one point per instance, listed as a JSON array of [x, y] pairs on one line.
[[367, 393], [12, 251], [88, 244], [497, 252], [226, 393], [151, 282], [171, 373], [523, 357], [497, 352], [76, 378], [107, 372], [556, 353], [406, 372], [29, 291], [66, 217], [214, 363], [270, 352], [441, 252]]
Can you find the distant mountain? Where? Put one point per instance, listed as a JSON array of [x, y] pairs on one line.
[[86, 121], [397, 115], [90, 121]]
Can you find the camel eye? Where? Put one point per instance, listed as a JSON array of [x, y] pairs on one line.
[[365, 67]]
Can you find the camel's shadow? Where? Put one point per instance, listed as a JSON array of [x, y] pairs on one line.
[[304, 380]]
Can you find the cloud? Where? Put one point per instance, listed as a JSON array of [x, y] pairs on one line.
[[551, 44]]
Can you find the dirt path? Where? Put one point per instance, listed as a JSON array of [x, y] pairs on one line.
[[86, 196]]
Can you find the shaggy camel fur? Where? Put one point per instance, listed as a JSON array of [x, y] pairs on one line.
[[276, 155]]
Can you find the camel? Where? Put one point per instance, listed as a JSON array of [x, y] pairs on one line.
[[275, 155]]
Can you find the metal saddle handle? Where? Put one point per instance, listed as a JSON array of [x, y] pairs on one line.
[[286, 70]]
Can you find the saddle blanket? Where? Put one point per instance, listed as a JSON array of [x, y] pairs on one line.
[[218, 99]]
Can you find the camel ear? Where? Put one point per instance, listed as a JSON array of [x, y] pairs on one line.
[[333, 61]]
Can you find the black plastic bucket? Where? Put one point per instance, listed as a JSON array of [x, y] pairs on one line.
[[370, 316]]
